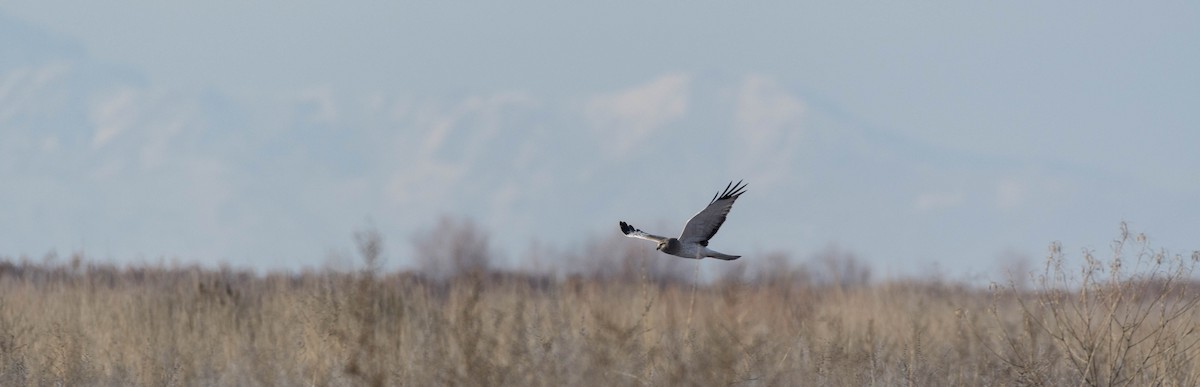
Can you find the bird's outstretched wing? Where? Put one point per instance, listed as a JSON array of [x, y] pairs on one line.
[[632, 232], [705, 224]]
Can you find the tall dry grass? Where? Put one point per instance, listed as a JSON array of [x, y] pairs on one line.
[[83, 323]]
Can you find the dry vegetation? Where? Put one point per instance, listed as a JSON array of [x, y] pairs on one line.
[[1127, 319]]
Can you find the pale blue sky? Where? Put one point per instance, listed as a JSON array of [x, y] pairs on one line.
[[264, 133]]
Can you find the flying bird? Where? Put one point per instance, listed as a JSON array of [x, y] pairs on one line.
[[693, 243]]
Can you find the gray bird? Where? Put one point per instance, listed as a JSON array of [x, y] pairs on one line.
[[693, 243]]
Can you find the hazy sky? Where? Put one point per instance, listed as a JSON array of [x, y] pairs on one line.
[[947, 136]]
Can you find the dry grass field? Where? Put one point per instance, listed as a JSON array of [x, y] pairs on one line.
[[1129, 318]]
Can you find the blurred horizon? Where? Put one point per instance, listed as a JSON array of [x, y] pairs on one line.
[[951, 139]]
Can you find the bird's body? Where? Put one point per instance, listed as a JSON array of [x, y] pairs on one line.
[[693, 250], [693, 243]]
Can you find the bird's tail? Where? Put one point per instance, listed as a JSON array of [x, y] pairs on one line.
[[726, 257]]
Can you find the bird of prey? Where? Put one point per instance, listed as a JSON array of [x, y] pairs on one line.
[[693, 243]]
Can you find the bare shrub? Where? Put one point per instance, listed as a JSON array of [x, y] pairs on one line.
[[1125, 320], [777, 269], [455, 246], [841, 268], [366, 311]]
